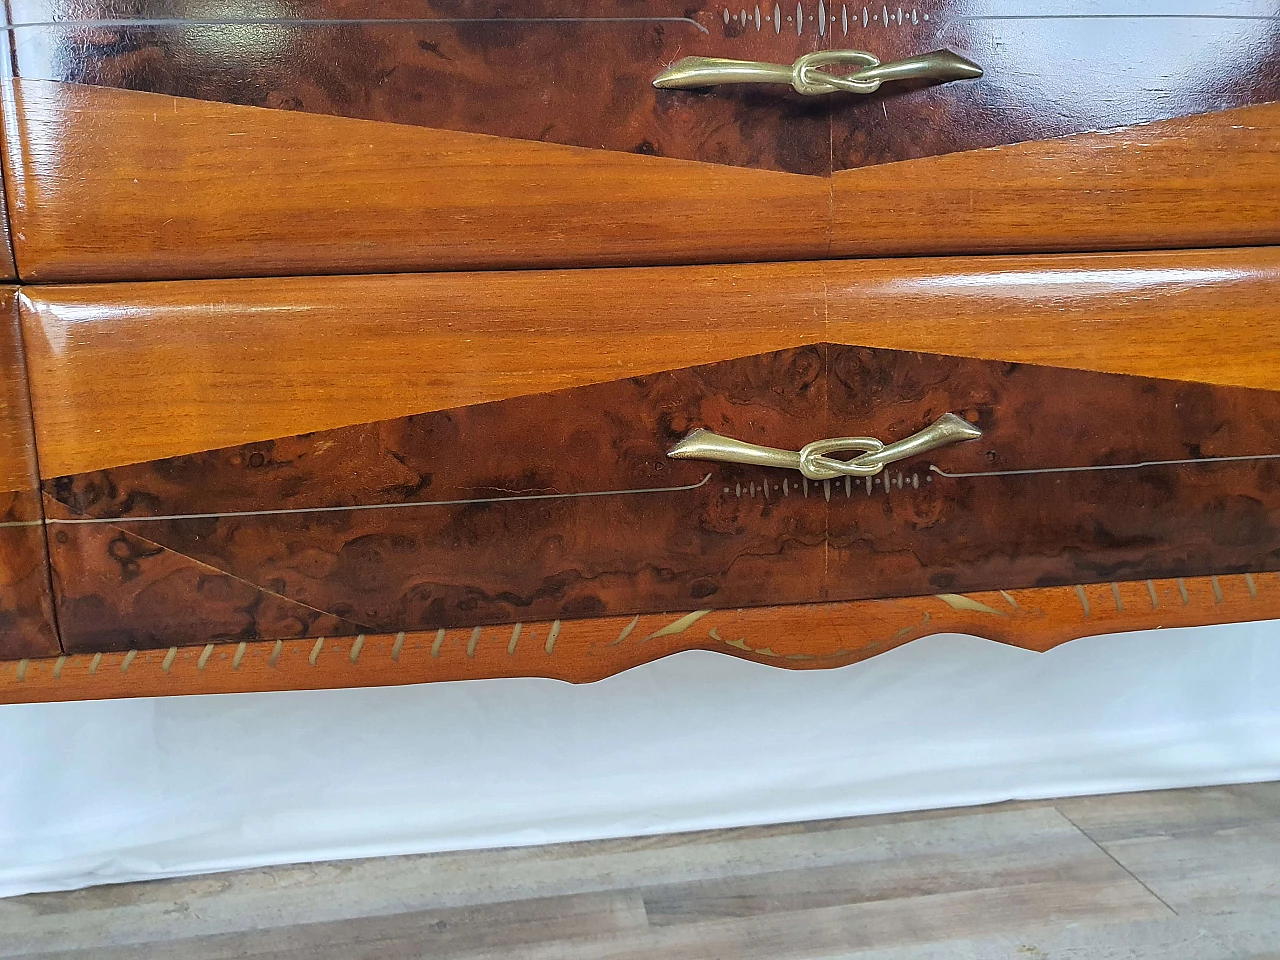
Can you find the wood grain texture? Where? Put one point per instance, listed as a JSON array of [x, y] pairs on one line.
[[26, 605], [454, 519], [112, 184], [227, 356], [1195, 182], [115, 184], [801, 637]]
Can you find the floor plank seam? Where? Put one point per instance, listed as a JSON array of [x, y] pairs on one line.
[[1110, 856]]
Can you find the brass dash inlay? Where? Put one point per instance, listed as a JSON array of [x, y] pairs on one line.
[[1253, 587], [127, 662], [167, 663], [58, 665], [204, 656], [21, 673], [1217, 589], [357, 647], [315, 651], [957, 601], [275, 653], [551, 637], [626, 631], [439, 642], [1010, 597], [241, 647], [515, 638], [1115, 593], [1151, 592], [397, 646], [678, 626], [1182, 589], [1084, 601], [95, 663], [471, 644]]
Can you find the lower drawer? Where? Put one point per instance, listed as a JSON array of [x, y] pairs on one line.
[[274, 460]]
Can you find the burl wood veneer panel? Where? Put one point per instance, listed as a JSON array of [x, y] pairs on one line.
[[548, 495], [158, 140], [26, 609], [564, 505]]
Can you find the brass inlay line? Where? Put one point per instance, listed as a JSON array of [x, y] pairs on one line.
[[397, 646], [1217, 589], [167, 663], [1151, 591], [315, 651], [551, 637], [1203, 461], [20, 674], [357, 647], [515, 638], [1115, 593], [95, 663], [1182, 589], [1253, 588], [58, 665], [291, 511], [241, 647], [127, 662], [439, 642], [204, 656], [471, 644], [275, 653]]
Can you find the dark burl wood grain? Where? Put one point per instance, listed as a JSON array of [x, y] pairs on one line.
[[508, 534], [956, 535], [499, 561], [580, 73]]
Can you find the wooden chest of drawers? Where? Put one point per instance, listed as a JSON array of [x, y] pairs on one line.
[[257, 472]]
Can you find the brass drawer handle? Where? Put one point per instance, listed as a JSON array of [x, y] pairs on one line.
[[812, 460], [805, 76]]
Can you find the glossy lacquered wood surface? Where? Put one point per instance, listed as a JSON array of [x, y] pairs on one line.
[[248, 365], [812, 636], [26, 609], [112, 184], [248, 360], [456, 519]]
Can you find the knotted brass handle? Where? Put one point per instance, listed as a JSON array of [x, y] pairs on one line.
[[805, 76], [812, 459]]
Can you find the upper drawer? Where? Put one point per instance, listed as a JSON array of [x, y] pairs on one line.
[[179, 138]]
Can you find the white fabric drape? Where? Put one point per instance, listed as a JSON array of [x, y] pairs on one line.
[[112, 791]]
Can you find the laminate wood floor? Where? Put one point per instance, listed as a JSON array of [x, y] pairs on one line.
[[1177, 875]]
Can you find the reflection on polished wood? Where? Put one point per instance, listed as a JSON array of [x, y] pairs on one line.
[[239, 361], [799, 637], [1196, 182], [116, 184], [26, 607]]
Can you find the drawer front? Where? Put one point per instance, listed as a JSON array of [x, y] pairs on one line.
[[171, 140], [26, 608], [503, 462]]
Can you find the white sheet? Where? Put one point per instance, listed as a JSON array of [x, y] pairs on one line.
[[111, 791]]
